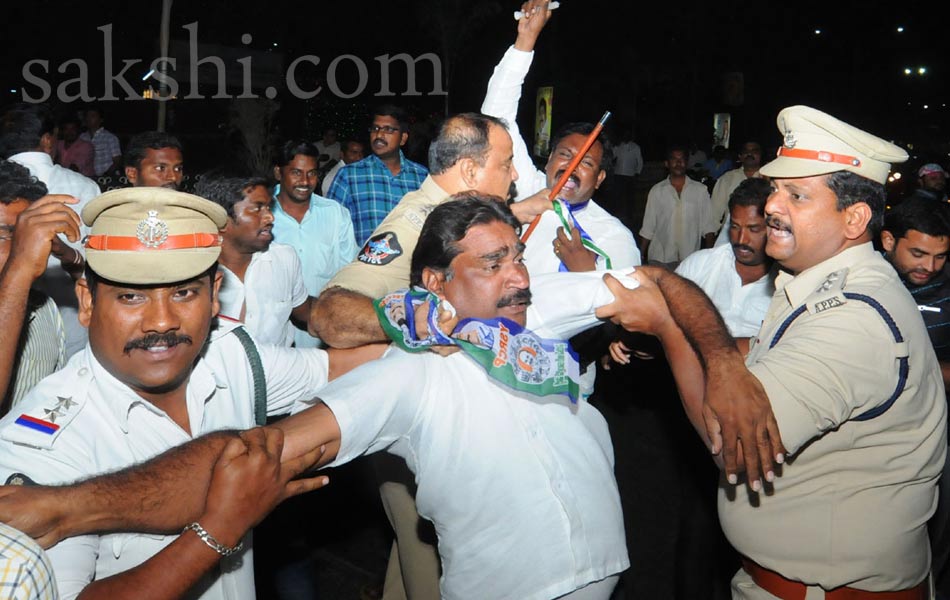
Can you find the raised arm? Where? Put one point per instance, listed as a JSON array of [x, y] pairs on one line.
[[32, 242]]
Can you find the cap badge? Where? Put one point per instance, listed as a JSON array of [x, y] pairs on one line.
[[790, 140], [151, 230]]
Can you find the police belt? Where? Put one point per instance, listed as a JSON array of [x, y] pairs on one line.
[[786, 589]]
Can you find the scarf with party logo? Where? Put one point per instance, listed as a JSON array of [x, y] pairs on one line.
[[509, 353]]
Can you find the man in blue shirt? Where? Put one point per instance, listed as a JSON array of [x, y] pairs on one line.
[[319, 229], [372, 187]]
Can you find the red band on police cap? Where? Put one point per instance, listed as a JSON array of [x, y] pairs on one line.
[[172, 242], [820, 155]]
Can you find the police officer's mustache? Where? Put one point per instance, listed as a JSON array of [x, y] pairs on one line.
[[775, 223], [519, 297], [152, 340]]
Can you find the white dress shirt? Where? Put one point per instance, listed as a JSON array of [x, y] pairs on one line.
[[272, 287], [742, 307], [105, 426], [675, 222], [520, 488]]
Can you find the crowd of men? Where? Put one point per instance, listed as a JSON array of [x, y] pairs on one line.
[[428, 316]]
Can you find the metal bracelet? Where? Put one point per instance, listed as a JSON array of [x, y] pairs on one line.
[[212, 543]]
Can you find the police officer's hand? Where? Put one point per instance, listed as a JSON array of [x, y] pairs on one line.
[[740, 423], [249, 480], [36, 511], [35, 234], [642, 310]]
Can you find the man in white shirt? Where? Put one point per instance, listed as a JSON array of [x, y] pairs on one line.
[[328, 146], [353, 151], [28, 137], [578, 235], [676, 219], [262, 283], [738, 278], [751, 158]]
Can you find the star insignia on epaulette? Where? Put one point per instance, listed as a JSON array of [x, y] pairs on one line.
[[65, 403]]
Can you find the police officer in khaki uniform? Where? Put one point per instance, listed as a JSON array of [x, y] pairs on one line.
[[849, 375]]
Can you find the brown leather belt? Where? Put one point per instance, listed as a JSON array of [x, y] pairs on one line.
[[786, 589]]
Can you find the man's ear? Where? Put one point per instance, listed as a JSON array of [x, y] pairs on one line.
[[276, 172], [434, 281], [888, 241], [468, 170], [403, 138], [132, 174], [215, 288], [84, 294], [600, 178], [857, 217]]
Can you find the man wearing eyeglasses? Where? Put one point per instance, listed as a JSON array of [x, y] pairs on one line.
[[372, 187]]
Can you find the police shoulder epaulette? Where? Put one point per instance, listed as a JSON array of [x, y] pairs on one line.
[[417, 216], [40, 426], [830, 294]]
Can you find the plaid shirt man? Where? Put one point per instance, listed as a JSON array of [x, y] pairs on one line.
[[25, 571], [369, 190]]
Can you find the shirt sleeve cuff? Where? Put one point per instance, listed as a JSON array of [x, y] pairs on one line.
[[517, 60]]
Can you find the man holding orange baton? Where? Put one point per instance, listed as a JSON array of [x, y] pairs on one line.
[[577, 235]]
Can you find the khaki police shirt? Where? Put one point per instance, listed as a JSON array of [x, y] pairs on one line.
[[383, 262], [851, 505]]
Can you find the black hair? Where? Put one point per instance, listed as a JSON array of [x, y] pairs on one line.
[[607, 156], [751, 192], [149, 140], [447, 225], [396, 112], [16, 183], [69, 119], [93, 279], [676, 147], [851, 188], [291, 148], [929, 217], [23, 126], [226, 187], [97, 108], [461, 136]]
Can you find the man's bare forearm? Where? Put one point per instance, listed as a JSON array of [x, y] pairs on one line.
[[688, 374], [14, 292], [345, 319], [698, 319], [161, 495]]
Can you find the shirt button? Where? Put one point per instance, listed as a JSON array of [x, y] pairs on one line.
[[83, 371]]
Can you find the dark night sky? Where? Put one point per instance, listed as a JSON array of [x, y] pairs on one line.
[[659, 66]]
